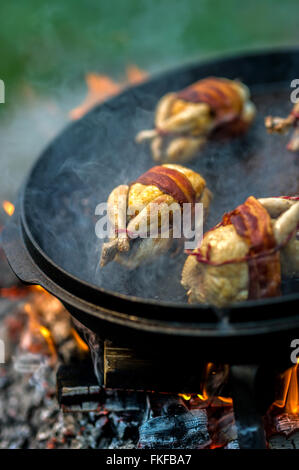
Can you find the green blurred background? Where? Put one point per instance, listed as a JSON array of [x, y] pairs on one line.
[[51, 43], [48, 47]]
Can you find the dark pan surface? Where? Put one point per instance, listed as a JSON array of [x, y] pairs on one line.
[[95, 154]]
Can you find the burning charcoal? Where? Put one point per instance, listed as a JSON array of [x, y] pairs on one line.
[[176, 428], [283, 442], [284, 423], [176, 432]]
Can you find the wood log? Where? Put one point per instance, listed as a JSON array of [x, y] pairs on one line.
[[126, 369], [280, 441], [77, 387]]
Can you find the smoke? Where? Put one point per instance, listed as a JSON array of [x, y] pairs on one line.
[[53, 46], [97, 153], [96, 347], [26, 128]]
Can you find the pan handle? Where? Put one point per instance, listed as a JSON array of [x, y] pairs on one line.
[[17, 254]]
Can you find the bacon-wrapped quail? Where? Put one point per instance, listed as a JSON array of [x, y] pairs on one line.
[[284, 125], [132, 207], [244, 256], [184, 120]]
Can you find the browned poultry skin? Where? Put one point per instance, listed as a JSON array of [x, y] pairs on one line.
[[218, 285], [221, 284], [141, 200], [184, 120]]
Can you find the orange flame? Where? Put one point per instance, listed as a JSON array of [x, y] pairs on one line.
[[8, 207], [289, 401], [81, 344], [35, 327], [38, 287], [204, 396], [48, 337], [41, 333], [186, 396], [101, 87]]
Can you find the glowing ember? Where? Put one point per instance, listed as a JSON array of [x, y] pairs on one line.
[[47, 328], [36, 329], [8, 207], [101, 87]]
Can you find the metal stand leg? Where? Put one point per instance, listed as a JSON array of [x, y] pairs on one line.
[[249, 422]]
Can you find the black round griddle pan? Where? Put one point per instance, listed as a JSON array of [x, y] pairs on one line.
[[50, 240]]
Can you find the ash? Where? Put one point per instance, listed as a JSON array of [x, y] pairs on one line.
[[30, 416], [40, 340]]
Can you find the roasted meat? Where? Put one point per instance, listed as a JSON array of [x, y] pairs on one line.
[[284, 125], [135, 208], [185, 120], [244, 256]]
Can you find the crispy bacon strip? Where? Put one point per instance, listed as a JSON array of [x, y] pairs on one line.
[[171, 182], [291, 198], [218, 93], [252, 222]]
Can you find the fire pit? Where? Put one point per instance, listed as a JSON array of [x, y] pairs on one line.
[[50, 240]]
